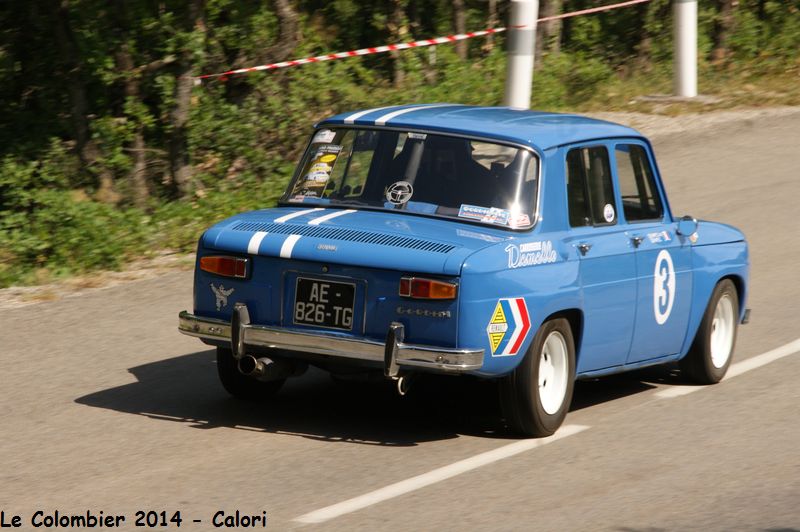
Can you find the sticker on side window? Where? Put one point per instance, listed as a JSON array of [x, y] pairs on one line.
[[608, 213]]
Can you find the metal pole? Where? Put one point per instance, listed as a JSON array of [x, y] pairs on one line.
[[685, 21], [521, 46]]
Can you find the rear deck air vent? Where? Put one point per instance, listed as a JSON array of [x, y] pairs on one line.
[[349, 235]]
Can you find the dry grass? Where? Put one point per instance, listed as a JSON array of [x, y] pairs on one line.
[[50, 289]]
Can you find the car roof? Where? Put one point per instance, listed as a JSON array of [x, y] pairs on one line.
[[537, 129]]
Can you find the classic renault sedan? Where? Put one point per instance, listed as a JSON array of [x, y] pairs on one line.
[[532, 248]]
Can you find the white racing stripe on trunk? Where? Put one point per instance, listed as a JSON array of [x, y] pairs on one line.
[[255, 242], [355, 116], [296, 214], [288, 246], [331, 216], [381, 121], [737, 369], [437, 475]]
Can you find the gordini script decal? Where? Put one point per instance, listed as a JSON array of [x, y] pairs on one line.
[[530, 254]]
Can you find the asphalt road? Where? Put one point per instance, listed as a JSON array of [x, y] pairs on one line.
[[104, 406]]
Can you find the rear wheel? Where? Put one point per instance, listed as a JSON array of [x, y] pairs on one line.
[[536, 396], [710, 354], [242, 386]]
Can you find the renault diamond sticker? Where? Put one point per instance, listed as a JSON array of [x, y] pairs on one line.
[[508, 327]]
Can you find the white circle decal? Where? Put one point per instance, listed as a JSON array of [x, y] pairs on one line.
[[663, 287], [608, 212]]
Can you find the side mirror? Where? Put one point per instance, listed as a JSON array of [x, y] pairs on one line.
[[687, 226]]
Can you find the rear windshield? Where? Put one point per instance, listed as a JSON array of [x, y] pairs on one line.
[[424, 173]]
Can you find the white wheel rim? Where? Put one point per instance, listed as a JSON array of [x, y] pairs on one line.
[[553, 372], [722, 330]]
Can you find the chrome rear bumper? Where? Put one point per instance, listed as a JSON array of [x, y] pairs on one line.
[[393, 354]]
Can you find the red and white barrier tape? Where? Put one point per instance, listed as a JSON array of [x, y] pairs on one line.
[[407, 45]]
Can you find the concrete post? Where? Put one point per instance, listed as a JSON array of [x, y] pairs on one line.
[[521, 47], [685, 53]]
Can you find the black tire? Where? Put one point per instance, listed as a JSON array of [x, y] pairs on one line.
[[520, 396], [702, 364], [242, 386]]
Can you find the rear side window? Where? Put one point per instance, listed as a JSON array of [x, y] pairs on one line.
[[590, 193], [637, 187]]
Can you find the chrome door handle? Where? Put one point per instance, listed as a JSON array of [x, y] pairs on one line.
[[584, 248], [637, 241]]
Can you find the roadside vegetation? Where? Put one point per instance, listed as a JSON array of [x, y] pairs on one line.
[[110, 153]]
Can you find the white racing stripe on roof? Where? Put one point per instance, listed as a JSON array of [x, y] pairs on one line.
[[288, 246], [331, 216], [381, 121], [255, 242], [355, 116], [296, 214]]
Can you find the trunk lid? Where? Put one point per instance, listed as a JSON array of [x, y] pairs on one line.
[[370, 239]]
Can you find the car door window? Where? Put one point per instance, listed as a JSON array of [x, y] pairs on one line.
[[590, 192], [640, 199]]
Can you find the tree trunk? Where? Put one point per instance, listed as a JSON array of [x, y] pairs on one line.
[[723, 27], [548, 36], [180, 161], [644, 48], [137, 178], [85, 147], [398, 30], [289, 31], [460, 26], [491, 23]]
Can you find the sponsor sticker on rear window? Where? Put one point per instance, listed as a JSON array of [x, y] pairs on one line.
[[317, 173], [324, 136]]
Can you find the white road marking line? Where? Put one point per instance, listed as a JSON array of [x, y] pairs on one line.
[[283, 219], [331, 216], [737, 369], [437, 475], [762, 360], [381, 120], [355, 116], [288, 246], [676, 391], [255, 242]]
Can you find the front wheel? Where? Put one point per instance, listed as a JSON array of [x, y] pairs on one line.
[[536, 396], [242, 386], [710, 354]]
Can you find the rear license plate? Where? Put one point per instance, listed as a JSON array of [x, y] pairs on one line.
[[324, 304]]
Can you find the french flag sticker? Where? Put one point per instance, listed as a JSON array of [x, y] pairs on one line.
[[508, 327]]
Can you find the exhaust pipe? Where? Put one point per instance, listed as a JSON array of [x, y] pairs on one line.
[[267, 369]]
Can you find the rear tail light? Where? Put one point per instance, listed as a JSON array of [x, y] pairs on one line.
[[227, 266], [419, 288]]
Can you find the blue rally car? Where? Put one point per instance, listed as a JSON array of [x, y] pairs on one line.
[[533, 248]]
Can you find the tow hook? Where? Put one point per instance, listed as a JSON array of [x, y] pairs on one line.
[[404, 384]]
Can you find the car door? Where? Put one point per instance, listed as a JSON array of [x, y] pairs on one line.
[[607, 259], [663, 259]]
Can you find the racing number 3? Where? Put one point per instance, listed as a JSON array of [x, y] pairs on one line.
[[663, 287]]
